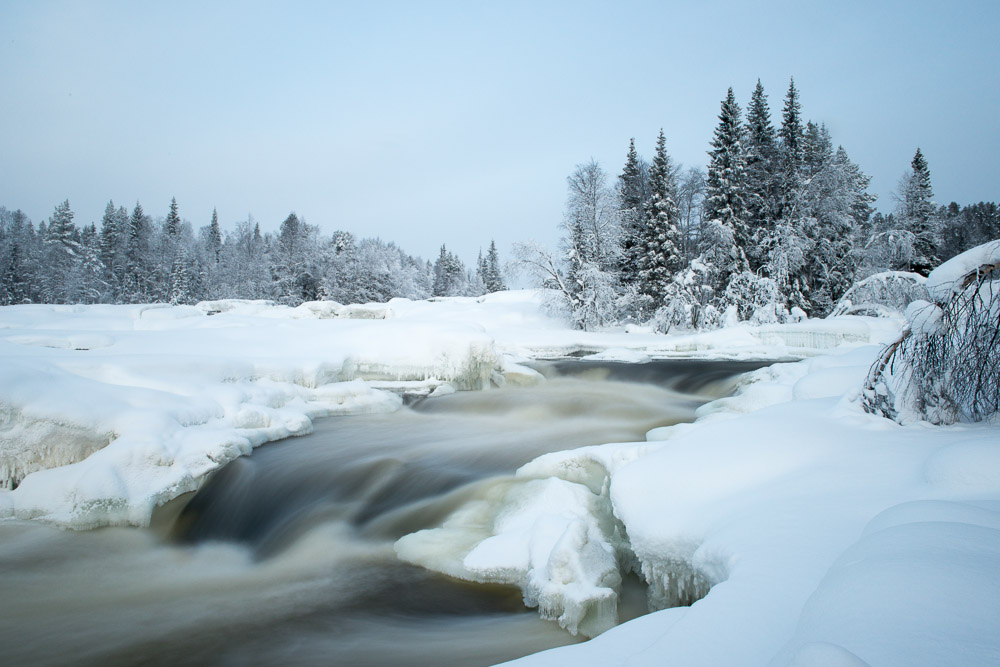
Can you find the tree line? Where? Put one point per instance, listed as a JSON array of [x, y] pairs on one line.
[[778, 226], [132, 258]]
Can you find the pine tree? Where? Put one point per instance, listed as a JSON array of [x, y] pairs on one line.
[[725, 194], [659, 239], [761, 170]]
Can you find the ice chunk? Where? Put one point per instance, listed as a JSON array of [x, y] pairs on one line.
[[552, 538]]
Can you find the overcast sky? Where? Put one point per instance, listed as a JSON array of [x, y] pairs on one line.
[[457, 122]]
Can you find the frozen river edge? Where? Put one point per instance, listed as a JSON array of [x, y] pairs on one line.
[[787, 496]]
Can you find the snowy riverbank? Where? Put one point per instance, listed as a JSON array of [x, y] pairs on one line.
[[826, 536]]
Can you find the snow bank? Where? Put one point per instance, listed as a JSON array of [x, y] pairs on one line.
[[824, 535], [946, 280], [106, 412]]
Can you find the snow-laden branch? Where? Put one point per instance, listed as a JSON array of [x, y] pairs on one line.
[[945, 367]]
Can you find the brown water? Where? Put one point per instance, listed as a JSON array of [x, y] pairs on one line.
[[285, 557]]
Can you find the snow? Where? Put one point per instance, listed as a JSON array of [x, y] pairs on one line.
[[924, 317], [804, 530], [946, 279], [827, 536]]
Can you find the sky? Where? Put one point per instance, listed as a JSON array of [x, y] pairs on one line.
[[426, 123]]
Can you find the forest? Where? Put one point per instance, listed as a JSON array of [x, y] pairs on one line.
[[779, 226]]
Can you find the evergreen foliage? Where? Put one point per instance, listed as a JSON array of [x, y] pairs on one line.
[[919, 215], [725, 194], [659, 237], [761, 176]]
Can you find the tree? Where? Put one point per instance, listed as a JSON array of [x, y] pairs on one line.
[[62, 257], [690, 197], [136, 275], [16, 273], [632, 200], [659, 239], [172, 225], [725, 193], [919, 214], [449, 275], [761, 168], [591, 217], [492, 274], [791, 148], [213, 239]]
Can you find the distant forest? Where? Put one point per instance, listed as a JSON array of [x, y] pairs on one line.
[[132, 258], [778, 226]]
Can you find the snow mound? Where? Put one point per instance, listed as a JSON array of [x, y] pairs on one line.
[[946, 280], [549, 530], [165, 395]]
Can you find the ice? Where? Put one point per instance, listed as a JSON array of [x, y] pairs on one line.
[[553, 538]]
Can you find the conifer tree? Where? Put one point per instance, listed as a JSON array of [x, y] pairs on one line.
[[13, 284], [172, 225], [630, 188], [62, 257], [214, 239], [135, 287], [659, 240], [761, 170], [492, 274], [920, 215], [725, 194], [111, 247], [791, 150]]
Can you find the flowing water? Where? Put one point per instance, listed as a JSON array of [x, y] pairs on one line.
[[286, 556]]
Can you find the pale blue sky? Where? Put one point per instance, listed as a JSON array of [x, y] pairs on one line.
[[457, 122]]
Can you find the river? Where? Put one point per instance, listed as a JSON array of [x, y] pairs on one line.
[[286, 556]]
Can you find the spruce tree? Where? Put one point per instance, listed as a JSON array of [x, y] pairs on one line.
[[725, 193], [659, 240], [761, 170], [920, 215], [62, 257], [13, 284], [113, 227], [492, 273], [214, 240], [172, 225], [791, 150], [135, 278], [630, 186]]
